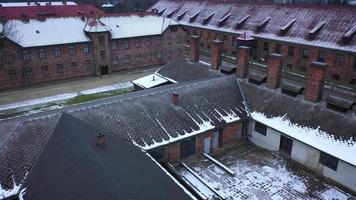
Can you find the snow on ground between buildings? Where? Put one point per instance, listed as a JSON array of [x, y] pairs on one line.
[[344, 150], [43, 100], [124, 85]]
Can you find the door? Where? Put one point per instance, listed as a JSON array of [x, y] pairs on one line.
[[216, 139], [187, 147], [207, 145], [286, 145], [104, 70]]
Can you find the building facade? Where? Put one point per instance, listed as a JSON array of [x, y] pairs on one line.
[[35, 54], [301, 33]]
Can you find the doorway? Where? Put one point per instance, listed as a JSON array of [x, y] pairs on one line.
[[216, 139], [207, 145], [286, 145], [104, 70], [187, 147]]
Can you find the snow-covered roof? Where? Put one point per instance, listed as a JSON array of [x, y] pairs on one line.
[[328, 143], [71, 29], [25, 4], [107, 5], [150, 81]]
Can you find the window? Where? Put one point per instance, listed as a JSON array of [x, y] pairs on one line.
[[42, 53], [27, 71], [260, 128], [115, 61], [173, 28], [71, 50], [322, 56], [278, 48], [137, 43], [169, 53], [305, 53], [328, 160], [101, 41], [148, 42], [340, 59], [113, 45], [335, 77], [86, 48], [44, 72], [88, 65], [138, 58], [225, 39], [12, 74], [179, 39], [127, 59], [169, 39], [102, 55], [60, 69], [159, 41], [265, 46], [8, 58], [57, 52], [149, 56], [353, 81], [25, 55], [179, 52], [159, 55], [290, 51], [74, 66], [126, 44]]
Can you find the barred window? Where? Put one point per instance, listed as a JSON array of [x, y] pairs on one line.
[[126, 44], [101, 41], [159, 55], [8, 57], [260, 128], [148, 42], [88, 65], [86, 48], [290, 51], [57, 52], [328, 160], [115, 61], [113, 45], [71, 50], [138, 58], [137, 41], [25, 55], [102, 55], [305, 53], [42, 53], [12, 74], [60, 69], [127, 59], [74, 66], [44, 72]]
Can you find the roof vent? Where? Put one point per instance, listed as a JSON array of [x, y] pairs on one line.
[[207, 19], [193, 17], [181, 15], [291, 89], [347, 37], [171, 13], [100, 139], [261, 25], [37, 31], [256, 78], [161, 12], [312, 34], [241, 22], [339, 104], [175, 98], [223, 20], [286, 28]]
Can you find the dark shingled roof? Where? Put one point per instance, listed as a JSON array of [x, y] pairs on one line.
[[135, 117], [273, 104], [184, 70], [72, 166], [338, 20]]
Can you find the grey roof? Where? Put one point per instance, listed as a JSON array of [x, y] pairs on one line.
[[273, 103], [184, 70], [135, 117], [72, 166]]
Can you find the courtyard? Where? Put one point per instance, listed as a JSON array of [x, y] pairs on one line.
[[258, 174]]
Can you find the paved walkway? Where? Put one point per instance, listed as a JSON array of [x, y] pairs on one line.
[[73, 85]]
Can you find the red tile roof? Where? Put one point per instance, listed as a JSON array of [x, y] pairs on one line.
[[338, 20], [38, 12]]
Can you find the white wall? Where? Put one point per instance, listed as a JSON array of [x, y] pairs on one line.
[[345, 174], [270, 141], [306, 155]]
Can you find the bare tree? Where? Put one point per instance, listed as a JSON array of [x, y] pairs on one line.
[[7, 30]]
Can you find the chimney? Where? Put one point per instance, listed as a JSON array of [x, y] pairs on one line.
[[216, 54], [194, 48], [274, 70], [65, 2], [315, 81], [175, 98], [243, 59], [100, 139]]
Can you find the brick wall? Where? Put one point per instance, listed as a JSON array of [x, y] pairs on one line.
[[171, 47], [230, 134]]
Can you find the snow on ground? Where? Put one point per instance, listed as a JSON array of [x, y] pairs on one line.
[[344, 150], [43, 100], [4, 193], [198, 184], [124, 85], [259, 174]]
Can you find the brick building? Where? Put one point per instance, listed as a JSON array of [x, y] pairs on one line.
[[42, 50], [301, 33]]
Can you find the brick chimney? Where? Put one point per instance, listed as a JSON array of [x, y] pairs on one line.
[[274, 70], [194, 48], [315, 81], [100, 139], [243, 59], [175, 98], [216, 54]]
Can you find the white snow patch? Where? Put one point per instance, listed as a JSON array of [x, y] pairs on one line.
[[150, 81], [332, 194], [344, 150], [32, 102], [10, 192], [229, 117], [124, 85]]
